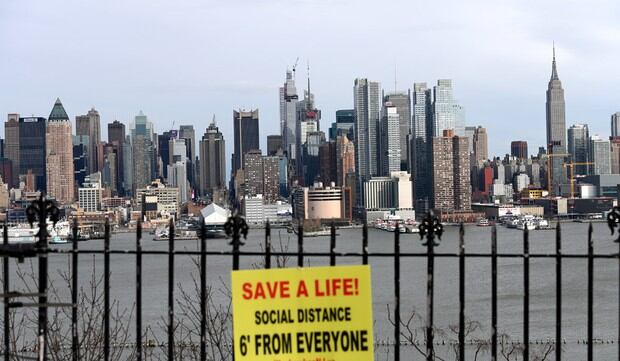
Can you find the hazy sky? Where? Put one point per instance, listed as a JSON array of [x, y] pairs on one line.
[[185, 61]]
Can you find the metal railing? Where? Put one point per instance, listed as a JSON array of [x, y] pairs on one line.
[[236, 228]]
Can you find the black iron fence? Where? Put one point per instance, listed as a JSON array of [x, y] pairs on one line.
[[430, 229]]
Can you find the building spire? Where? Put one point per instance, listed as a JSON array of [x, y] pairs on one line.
[[554, 71]]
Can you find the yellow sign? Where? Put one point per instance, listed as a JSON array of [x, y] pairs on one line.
[[303, 314]]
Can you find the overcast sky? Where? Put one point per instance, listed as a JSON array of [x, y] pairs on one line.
[[185, 61]]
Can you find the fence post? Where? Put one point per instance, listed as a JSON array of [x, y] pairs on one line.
[[494, 293], [139, 290], [203, 290], [558, 293], [365, 243], [236, 226], [106, 291], [40, 210], [171, 290], [429, 228], [590, 293], [75, 351], [300, 243], [267, 245], [526, 294], [613, 221], [462, 292], [397, 293], [5, 290], [332, 244]]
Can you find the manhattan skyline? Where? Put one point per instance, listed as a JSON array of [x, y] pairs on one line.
[[129, 58]]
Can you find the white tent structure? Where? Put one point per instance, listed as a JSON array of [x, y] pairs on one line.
[[214, 215]]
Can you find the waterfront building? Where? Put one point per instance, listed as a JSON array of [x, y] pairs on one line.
[[389, 195], [579, 148], [288, 115], [600, 154], [556, 128], [402, 102], [318, 202], [421, 142], [160, 200], [615, 124], [59, 155], [451, 173], [212, 161], [245, 126], [391, 138], [518, 149], [367, 107], [90, 194], [11, 147], [89, 124]]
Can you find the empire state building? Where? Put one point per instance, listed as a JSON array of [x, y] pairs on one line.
[[556, 130]]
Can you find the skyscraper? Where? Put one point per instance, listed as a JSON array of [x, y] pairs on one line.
[[615, 124], [518, 149], [579, 148], [89, 125], [274, 143], [402, 102], [212, 160], [556, 128], [367, 107], [480, 146], [142, 152], [447, 113], [59, 151], [116, 136], [451, 173], [421, 147], [11, 148], [163, 144], [345, 124], [345, 160], [32, 154], [271, 178], [246, 136], [187, 132], [600, 155], [391, 140], [253, 171], [288, 114]]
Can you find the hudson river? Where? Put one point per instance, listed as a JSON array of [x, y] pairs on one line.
[[413, 282]]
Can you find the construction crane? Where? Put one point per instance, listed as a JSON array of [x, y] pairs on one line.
[[295, 66], [572, 175], [549, 170]]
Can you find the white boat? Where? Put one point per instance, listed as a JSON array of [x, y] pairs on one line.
[[483, 222], [523, 224], [19, 233]]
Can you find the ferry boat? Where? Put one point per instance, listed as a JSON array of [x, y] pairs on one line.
[[483, 222]]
